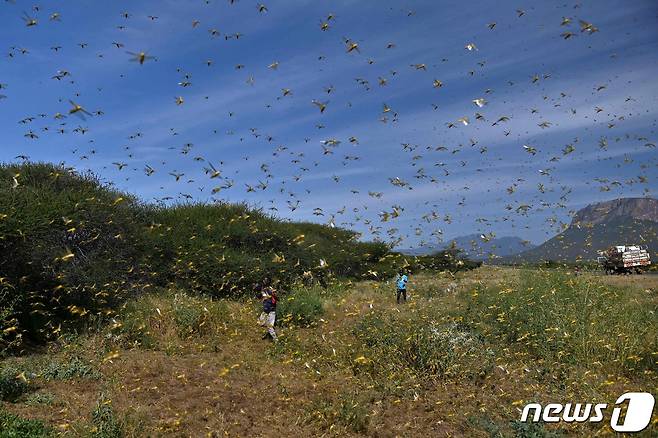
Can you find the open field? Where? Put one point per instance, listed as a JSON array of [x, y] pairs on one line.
[[461, 358]]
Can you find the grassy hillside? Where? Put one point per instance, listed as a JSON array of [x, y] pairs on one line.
[[461, 358], [74, 249]]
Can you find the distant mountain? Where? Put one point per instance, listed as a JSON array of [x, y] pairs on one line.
[[644, 209], [475, 248], [598, 226]]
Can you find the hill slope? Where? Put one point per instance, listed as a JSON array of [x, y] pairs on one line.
[[75, 250], [73, 247], [598, 226], [645, 209]]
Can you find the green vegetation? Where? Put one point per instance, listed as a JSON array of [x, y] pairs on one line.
[[462, 356], [40, 399], [168, 321], [567, 320], [138, 326], [75, 249], [16, 377], [11, 385], [104, 420], [223, 249], [70, 247], [448, 260], [70, 368], [532, 430], [418, 342], [12, 426], [303, 307], [347, 411], [190, 318], [157, 301]]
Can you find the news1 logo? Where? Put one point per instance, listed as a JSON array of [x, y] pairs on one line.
[[638, 412]]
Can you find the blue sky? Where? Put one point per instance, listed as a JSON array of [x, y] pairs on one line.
[[595, 91]]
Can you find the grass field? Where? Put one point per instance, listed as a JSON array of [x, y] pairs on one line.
[[461, 358]]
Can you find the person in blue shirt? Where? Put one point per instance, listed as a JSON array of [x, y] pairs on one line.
[[401, 283]]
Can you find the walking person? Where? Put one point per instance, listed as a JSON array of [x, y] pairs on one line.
[[267, 318], [401, 283]]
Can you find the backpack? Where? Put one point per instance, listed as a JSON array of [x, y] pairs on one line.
[[272, 295]]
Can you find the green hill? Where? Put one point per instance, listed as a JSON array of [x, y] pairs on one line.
[[73, 247]]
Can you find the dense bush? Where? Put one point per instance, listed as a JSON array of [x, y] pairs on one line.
[[11, 386], [302, 307], [448, 260], [10, 304], [73, 247], [224, 249], [70, 247]]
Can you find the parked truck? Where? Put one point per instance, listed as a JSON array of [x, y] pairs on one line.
[[624, 259]]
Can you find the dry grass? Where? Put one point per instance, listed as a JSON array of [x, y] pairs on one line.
[[208, 373]]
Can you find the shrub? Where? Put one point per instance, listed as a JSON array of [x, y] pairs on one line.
[[347, 411], [12, 426], [105, 422], [430, 348], [69, 369], [70, 246], [532, 430], [353, 415], [223, 249], [448, 260], [40, 399], [191, 316], [486, 424], [11, 386], [10, 336], [302, 307], [136, 323], [389, 264], [165, 320]]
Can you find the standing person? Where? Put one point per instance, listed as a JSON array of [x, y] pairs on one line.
[[401, 282], [267, 318]]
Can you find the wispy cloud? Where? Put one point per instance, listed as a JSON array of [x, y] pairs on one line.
[[471, 183]]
